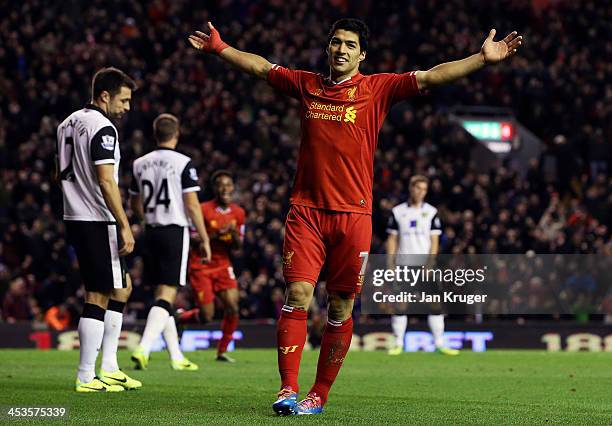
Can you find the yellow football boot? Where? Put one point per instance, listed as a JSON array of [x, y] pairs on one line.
[[119, 378], [184, 365], [447, 351], [140, 359], [96, 385], [395, 351]]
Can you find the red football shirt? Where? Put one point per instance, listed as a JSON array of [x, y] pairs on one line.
[[216, 218], [340, 124]]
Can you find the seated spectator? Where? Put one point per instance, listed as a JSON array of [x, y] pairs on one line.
[[16, 304]]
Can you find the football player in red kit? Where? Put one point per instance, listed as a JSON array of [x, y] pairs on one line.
[[224, 222], [331, 204]]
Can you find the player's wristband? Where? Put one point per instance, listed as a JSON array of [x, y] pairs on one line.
[[222, 46], [217, 45]]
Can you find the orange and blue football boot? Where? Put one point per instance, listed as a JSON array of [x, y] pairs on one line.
[[312, 404], [286, 403]]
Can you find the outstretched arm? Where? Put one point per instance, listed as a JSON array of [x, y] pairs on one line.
[[491, 52], [244, 61]]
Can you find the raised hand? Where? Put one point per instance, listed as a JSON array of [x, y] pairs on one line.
[[496, 51], [208, 43]]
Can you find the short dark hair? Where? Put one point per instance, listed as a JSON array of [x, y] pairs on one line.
[[216, 175], [165, 127], [354, 25], [418, 179], [111, 80]]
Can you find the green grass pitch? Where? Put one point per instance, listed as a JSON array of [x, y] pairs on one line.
[[496, 387]]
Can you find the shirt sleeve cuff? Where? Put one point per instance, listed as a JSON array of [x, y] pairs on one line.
[[392, 231], [191, 189], [273, 68], [416, 83], [436, 232], [105, 161]]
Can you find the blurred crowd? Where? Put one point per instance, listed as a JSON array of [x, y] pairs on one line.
[[556, 87]]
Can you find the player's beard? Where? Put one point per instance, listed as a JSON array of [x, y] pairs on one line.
[[116, 117]]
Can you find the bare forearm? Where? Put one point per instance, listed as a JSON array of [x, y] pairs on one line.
[[112, 198], [450, 71], [247, 62], [198, 221], [195, 214], [391, 248], [136, 205], [56, 171], [435, 245]]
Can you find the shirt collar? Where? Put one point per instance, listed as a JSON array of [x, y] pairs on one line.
[[414, 206], [352, 79], [97, 108], [222, 209]]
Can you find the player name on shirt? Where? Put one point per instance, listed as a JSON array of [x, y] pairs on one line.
[[169, 167], [161, 177], [85, 139]]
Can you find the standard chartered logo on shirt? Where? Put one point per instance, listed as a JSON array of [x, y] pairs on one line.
[[320, 111], [350, 115]]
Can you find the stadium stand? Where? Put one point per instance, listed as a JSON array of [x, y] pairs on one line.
[[559, 91]]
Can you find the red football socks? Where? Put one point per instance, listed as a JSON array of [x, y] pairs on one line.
[[192, 315], [334, 346], [291, 337], [229, 325]]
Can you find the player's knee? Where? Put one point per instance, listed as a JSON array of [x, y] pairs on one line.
[[436, 309], [167, 293], [340, 306], [231, 310], [121, 294], [207, 313], [339, 313], [299, 294], [96, 298]]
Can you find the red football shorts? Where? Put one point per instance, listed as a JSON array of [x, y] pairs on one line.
[[207, 284], [313, 236]]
